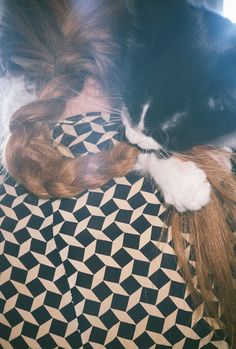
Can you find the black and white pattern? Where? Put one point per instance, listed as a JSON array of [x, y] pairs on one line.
[[97, 271]]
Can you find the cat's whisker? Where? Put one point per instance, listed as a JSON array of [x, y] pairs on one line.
[[103, 105], [116, 97], [167, 137], [160, 153], [99, 105], [187, 156], [90, 99], [202, 155]]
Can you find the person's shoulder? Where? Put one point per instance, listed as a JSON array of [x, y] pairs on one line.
[[17, 203]]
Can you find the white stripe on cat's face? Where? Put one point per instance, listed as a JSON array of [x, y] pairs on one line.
[[173, 121], [144, 112], [135, 134]]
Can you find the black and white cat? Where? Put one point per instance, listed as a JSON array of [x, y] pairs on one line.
[[179, 91]]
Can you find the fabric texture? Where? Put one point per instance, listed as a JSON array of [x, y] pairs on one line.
[[98, 270]]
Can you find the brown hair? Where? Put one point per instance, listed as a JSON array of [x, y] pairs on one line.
[[75, 43], [212, 233], [61, 44]]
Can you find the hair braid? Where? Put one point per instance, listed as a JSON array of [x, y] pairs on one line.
[[61, 52]]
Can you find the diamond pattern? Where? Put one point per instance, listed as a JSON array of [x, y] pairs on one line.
[[97, 271]]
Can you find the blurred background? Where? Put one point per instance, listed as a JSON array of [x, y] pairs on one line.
[[225, 7], [216, 5]]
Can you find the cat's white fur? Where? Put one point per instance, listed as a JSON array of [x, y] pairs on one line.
[[144, 112], [182, 183], [135, 135], [173, 121]]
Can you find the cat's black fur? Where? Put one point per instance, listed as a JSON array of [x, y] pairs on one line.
[[182, 60]]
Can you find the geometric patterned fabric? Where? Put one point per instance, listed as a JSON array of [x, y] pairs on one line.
[[95, 271]]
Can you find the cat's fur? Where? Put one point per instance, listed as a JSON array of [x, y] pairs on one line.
[[179, 91]]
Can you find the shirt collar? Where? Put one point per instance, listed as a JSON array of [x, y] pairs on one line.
[[88, 133]]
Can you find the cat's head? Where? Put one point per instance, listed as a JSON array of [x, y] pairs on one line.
[[179, 76]]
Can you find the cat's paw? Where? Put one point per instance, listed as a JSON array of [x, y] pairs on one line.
[[182, 183], [189, 189]]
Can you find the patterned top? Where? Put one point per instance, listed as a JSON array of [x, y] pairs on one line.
[[96, 271]]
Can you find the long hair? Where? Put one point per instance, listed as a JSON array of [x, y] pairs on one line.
[[58, 45]]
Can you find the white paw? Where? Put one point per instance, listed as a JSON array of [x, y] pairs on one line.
[[188, 189], [182, 183]]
